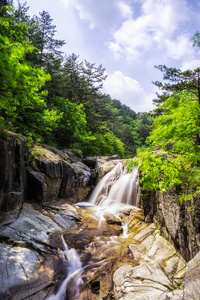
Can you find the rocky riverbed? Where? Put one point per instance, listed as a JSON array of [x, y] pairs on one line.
[[121, 255], [139, 264]]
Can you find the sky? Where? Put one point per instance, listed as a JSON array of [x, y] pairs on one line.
[[129, 38]]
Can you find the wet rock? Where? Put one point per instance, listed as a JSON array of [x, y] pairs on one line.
[[160, 268], [105, 164], [113, 219], [83, 174]]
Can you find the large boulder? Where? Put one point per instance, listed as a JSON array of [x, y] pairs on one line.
[[146, 281], [52, 175], [105, 164], [30, 263]]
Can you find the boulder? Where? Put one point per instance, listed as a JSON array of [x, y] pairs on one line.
[[90, 161], [192, 279], [105, 164], [52, 176], [146, 281], [30, 262]]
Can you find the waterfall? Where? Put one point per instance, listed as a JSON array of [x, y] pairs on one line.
[[116, 188], [74, 271]]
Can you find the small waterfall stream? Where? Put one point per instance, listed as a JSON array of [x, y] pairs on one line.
[[117, 187], [104, 227], [74, 271]]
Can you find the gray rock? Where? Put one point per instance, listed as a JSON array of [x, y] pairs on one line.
[[175, 295], [19, 269], [82, 174], [51, 168], [146, 281], [90, 161], [31, 227], [192, 279], [179, 223], [13, 176], [29, 259]]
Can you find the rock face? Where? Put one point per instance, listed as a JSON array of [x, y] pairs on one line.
[[180, 224], [30, 264], [51, 174], [105, 164], [192, 279], [40, 174], [13, 176]]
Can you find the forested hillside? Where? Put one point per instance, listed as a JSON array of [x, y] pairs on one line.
[[55, 98]]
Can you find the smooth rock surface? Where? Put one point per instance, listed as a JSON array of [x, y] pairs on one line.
[[192, 279], [30, 262], [146, 281]]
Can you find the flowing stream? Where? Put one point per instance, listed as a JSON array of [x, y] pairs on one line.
[[101, 239]]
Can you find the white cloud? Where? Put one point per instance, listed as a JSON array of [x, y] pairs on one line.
[[190, 65], [179, 48], [69, 2], [153, 29], [128, 91], [125, 9], [105, 15]]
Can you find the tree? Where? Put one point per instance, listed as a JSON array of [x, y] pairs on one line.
[[173, 157], [188, 80], [22, 103], [83, 84], [41, 33]]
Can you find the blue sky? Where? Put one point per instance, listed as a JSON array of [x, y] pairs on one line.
[[128, 37]]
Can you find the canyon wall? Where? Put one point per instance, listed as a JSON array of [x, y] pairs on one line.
[[179, 223]]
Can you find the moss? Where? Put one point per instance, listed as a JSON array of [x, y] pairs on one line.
[[40, 152]]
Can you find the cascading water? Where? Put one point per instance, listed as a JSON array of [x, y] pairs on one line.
[[74, 271], [105, 226], [116, 188]]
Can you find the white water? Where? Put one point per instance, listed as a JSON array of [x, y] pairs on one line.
[[117, 188], [125, 230], [104, 185], [74, 271]]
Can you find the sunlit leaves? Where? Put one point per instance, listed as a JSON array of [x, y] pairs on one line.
[[173, 158]]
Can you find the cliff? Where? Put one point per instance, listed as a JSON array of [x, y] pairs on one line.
[[40, 174], [178, 222]]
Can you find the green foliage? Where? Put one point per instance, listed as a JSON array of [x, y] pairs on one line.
[[132, 163], [130, 128], [105, 143], [22, 103], [196, 39], [178, 80], [173, 159], [57, 100]]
